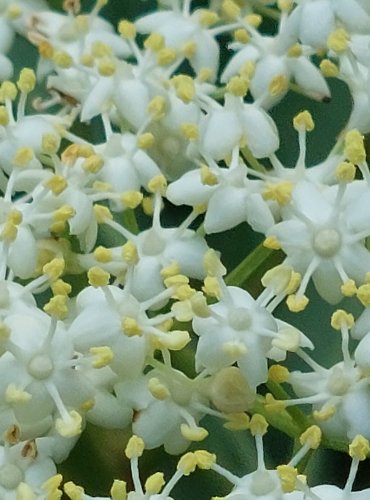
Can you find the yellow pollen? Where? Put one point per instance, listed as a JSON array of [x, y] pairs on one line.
[[278, 374], [187, 463], [14, 11], [93, 164], [129, 253], [212, 263], [8, 90], [73, 491], [288, 476], [60, 287], [329, 69], [103, 355], [157, 389], [50, 143], [237, 422], [247, 69], [338, 40], [154, 42], [157, 184], [212, 287], [166, 56], [27, 80], [238, 86], [57, 184], [15, 395], [57, 306], [208, 17], [103, 254], [118, 490], [258, 425], [363, 294], [278, 85], [205, 459], [324, 414], [127, 29], [345, 172], [297, 303], [9, 232], [184, 87], [23, 156], [172, 269], [107, 66], [102, 214], [189, 49], [295, 50], [349, 288], [285, 5], [253, 20], [4, 116], [98, 277], [241, 35], [45, 49], [304, 121], [207, 177], [130, 327], [145, 141], [359, 448], [54, 269], [135, 447], [340, 319], [190, 131], [154, 483], [157, 107], [280, 192], [132, 199], [230, 9], [311, 437], [272, 243], [354, 148], [193, 433], [62, 59]]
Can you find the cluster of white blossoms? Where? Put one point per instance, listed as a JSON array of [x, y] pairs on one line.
[[112, 314]]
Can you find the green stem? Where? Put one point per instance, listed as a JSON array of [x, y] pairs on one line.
[[279, 420], [297, 415], [267, 11], [251, 264], [130, 222], [255, 164]]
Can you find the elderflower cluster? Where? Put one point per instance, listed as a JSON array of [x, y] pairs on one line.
[[116, 309]]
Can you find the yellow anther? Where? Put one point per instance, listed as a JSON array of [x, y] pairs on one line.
[[238, 86], [15, 395], [12, 435], [157, 389], [118, 490], [157, 107], [100, 49], [129, 253], [354, 148], [102, 214], [157, 184], [234, 349], [54, 269], [288, 476], [342, 319], [187, 463], [9, 232], [62, 59], [190, 131], [175, 340], [82, 23], [103, 254], [8, 90], [183, 292], [205, 74], [189, 49], [73, 491], [148, 205], [166, 56], [25, 492], [103, 355], [205, 459], [311, 437], [345, 172], [280, 192], [171, 270], [154, 483], [93, 164], [241, 35], [273, 405], [295, 50], [278, 374], [60, 287], [132, 199], [212, 263], [285, 5], [253, 20], [325, 413], [23, 156], [102, 186], [359, 448], [64, 213], [184, 87], [294, 282], [57, 184], [87, 405], [106, 66], [135, 447], [57, 306], [329, 69], [237, 422], [349, 288], [52, 483], [297, 303], [363, 294], [27, 80], [279, 84], [154, 42], [247, 69], [272, 243], [69, 427], [15, 217], [304, 121], [145, 141], [130, 327], [4, 116], [199, 305], [207, 17], [14, 11], [45, 49], [287, 340], [87, 60], [230, 9], [212, 287], [50, 143], [127, 29], [97, 277], [258, 425], [193, 433], [207, 177], [338, 40], [4, 331]]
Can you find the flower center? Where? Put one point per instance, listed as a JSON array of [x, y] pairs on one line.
[[10, 476], [40, 366], [239, 318], [262, 483], [326, 242], [339, 382], [153, 244]]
